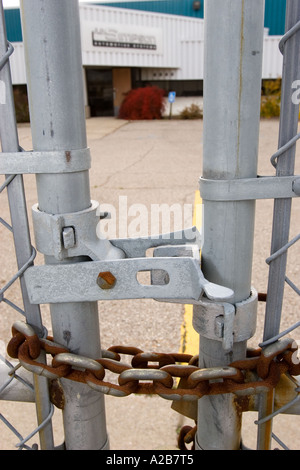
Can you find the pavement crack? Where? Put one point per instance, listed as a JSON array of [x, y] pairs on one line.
[[128, 167]]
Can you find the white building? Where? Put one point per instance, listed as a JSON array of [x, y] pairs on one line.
[[124, 49]]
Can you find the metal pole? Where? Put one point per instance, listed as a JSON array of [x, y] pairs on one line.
[[21, 234], [232, 87], [51, 30], [289, 116]]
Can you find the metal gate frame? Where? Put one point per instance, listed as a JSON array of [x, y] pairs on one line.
[[64, 219]]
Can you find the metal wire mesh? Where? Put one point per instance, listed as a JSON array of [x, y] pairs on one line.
[[19, 309], [4, 298], [281, 335], [281, 223]]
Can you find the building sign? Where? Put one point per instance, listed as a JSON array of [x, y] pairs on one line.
[[112, 37], [135, 38]]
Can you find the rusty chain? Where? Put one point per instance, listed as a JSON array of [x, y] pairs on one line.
[[187, 436], [156, 373]]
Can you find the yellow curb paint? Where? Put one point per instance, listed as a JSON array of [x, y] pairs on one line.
[[189, 337]]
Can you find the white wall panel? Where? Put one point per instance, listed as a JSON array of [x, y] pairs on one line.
[[17, 64], [272, 58]]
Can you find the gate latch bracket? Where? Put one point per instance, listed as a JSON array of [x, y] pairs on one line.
[[112, 273]]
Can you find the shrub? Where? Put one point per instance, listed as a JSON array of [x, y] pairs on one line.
[[270, 101], [143, 103], [191, 112]]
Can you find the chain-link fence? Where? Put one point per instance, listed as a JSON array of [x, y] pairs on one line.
[[12, 307], [281, 245], [19, 254], [9, 371]]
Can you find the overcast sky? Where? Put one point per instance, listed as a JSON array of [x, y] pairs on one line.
[[16, 3]]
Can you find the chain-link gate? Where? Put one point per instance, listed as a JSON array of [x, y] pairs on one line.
[[65, 230], [284, 162]]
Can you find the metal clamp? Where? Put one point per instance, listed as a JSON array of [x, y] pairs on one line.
[[70, 235], [226, 322], [64, 161], [262, 187], [75, 234]]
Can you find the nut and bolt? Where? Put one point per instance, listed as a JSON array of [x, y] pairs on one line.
[[106, 280]]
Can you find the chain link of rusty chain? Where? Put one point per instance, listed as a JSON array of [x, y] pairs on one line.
[[186, 436], [156, 373]]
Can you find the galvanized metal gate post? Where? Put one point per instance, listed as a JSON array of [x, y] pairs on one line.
[[51, 32], [232, 87]]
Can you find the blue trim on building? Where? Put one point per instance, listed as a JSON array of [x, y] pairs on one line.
[[274, 10], [170, 7], [275, 17], [13, 25]]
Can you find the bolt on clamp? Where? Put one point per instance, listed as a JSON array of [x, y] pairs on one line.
[[226, 322]]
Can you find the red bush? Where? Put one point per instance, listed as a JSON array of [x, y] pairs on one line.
[[143, 103]]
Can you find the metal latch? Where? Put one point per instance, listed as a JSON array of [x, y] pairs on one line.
[[183, 281], [112, 273]]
